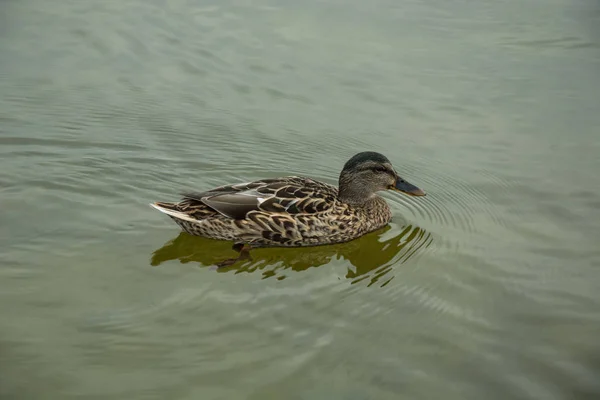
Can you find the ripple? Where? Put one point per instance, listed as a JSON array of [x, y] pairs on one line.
[[567, 43], [65, 144], [452, 202]]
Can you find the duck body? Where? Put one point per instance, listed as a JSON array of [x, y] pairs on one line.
[[293, 211], [290, 211]]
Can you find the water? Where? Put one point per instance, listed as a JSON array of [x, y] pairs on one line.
[[487, 288]]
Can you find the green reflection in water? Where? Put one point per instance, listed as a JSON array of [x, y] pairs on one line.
[[371, 256]]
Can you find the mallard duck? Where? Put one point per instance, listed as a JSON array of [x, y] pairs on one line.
[[293, 211]]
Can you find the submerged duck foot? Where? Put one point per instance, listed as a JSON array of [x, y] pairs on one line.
[[244, 255]]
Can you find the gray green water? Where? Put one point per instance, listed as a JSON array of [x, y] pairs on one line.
[[489, 288]]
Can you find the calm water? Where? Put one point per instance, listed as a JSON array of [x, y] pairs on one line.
[[488, 288]]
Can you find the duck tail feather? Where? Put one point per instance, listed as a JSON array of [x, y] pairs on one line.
[[171, 210]]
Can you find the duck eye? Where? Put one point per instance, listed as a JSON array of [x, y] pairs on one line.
[[380, 169]]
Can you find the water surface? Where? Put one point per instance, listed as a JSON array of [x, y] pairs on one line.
[[487, 288]]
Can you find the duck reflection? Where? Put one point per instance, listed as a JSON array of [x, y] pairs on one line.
[[372, 255]]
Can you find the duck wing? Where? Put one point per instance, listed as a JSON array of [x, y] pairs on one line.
[[291, 195]]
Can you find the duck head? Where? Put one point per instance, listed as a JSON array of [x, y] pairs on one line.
[[367, 173]]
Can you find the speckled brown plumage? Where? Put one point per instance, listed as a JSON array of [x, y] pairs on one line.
[[291, 211], [296, 211]]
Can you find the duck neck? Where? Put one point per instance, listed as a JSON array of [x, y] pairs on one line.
[[352, 194]]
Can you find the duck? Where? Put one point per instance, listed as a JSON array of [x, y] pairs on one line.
[[293, 211]]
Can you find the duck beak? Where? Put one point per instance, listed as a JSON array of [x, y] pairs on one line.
[[408, 188]]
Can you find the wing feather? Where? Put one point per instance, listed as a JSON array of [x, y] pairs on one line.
[[289, 195]]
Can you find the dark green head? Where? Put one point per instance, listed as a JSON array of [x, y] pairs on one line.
[[367, 173]]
